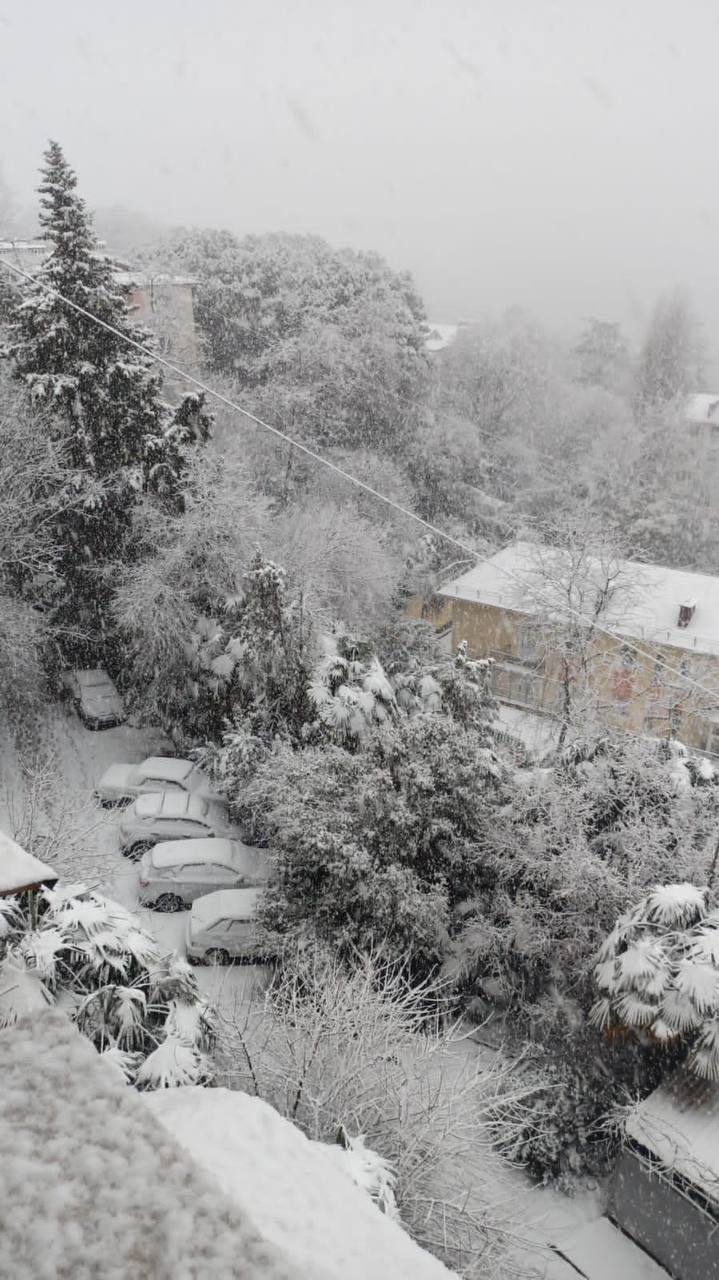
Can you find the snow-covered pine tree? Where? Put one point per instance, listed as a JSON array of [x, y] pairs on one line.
[[102, 400]]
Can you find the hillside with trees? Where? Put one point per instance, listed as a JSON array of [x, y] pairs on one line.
[[250, 603]]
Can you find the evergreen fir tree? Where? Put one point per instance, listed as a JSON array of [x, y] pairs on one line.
[[103, 403]]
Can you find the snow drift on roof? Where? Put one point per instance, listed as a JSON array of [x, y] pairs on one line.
[[292, 1187], [679, 1123], [20, 870], [92, 1185], [529, 579]]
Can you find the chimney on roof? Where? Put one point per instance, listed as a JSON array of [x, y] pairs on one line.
[[686, 612]]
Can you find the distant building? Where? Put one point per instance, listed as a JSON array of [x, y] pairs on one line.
[[165, 305], [162, 303], [440, 336], [512, 607], [665, 1189], [702, 410]]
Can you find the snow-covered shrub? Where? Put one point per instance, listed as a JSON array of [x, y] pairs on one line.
[[72, 948], [658, 972], [360, 1049], [575, 845], [368, 1169], [377, 846], [349, 689]]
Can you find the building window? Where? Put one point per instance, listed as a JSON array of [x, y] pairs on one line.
[[528, 643], [628, 657]]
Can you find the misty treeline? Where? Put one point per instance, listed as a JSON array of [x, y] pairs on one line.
[[250, 602]]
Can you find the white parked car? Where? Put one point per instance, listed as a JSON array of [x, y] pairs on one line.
[[95, 698], [171, 815], [176, 872], [123, 782], [222, 927]]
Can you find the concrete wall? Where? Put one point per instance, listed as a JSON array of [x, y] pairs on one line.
[[665, 1221]]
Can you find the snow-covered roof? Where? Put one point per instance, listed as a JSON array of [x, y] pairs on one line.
[[20, 870], [25, 246], [440, 336], [679, 1124], [301, 1200], [93, 1185], [230, 904], [703, 407], [142, 278], [528, 578]]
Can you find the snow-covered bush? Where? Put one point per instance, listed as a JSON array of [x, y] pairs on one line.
[[378, 846], [349, 689], [72, 948], [575, 845], [658, 972], [361, 1050]]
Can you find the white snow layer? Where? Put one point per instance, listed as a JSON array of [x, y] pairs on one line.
[[295, 1190], [19, 869], [92, 1189]]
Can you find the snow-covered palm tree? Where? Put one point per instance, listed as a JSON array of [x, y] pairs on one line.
[[658, 972]]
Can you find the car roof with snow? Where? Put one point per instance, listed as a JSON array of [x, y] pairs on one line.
[[170, 804], [242, 858], [166, 767], [92, 678], [230, 904]]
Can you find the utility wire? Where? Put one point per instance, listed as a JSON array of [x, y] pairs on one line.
[[592, 623]]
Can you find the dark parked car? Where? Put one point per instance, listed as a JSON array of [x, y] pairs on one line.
[[95, 698]]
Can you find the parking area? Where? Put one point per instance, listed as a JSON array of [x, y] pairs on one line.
[[46, 801]]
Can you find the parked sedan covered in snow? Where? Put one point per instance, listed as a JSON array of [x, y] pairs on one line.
[[95, 698], [176, 872], [171, 815], [123, 782], [222, 927]]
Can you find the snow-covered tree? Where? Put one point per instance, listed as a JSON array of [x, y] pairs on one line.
[[72, 948], [349, 689], [31, 472], [101, 398], [601, 356], [328, 342], [670, 360], [658, 973]]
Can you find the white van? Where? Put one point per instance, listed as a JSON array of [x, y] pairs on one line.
[[176, 872], [222, 927]]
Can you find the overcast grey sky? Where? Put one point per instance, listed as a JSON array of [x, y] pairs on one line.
[[554, 154]]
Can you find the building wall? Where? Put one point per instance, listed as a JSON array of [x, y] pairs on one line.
[[665, 1221], [628, 690], [436, 610], [165, 306]]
